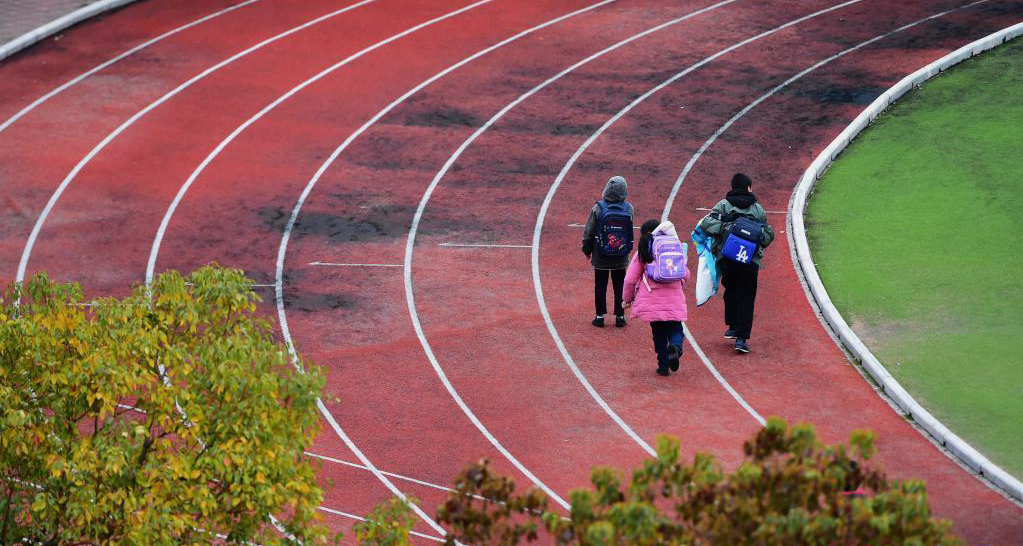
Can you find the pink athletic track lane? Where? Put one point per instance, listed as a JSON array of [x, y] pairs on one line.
[[476, 305]]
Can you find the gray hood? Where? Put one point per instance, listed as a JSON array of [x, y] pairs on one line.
[[617, 189]]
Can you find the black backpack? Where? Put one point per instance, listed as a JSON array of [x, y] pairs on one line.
[[613, 232]]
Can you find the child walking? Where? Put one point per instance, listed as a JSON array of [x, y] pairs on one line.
[[607, 241], [654, 285]]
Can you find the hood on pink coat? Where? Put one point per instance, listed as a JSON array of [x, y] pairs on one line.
[[666, 228]]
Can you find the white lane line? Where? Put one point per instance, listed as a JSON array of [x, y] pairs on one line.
[[120, 57], [692, 161], [155, 250], [767, 211], [23, 264], [436, 180], [336, 461], [391, 474], [333, 264], [721, 379], [482, 245], [360, 518], [561, 176], [344, 145]]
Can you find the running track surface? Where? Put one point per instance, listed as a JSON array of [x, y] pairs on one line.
[[470, 159]]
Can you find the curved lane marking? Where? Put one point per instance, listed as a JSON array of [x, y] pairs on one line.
[[360, 518], [282, 251], [23, 264], [21, 113], [155, 249], [550, 196]]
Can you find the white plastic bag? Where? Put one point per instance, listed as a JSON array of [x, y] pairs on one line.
[[705, 285], [706, 269]]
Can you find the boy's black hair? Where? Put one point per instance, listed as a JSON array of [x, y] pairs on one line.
[[741, 182], [646, 254]]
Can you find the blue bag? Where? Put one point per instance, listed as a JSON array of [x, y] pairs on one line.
[[614, 229], [743, 240]]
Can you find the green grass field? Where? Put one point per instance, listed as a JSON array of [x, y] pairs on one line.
[[917, 231]]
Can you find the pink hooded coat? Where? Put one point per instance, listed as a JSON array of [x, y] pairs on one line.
[[654, 301]]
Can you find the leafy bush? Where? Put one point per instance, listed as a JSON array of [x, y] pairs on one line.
[[790, 489]]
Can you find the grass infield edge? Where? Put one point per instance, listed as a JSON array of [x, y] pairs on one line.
[[818, 295]]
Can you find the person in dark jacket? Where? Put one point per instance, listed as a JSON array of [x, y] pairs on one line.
[[739, 280], [616, 190]]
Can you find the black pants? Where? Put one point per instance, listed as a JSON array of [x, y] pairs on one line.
[[666, 332], [600, 290], [740, 282]]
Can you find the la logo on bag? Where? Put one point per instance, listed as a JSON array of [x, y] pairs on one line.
[[742, 256]]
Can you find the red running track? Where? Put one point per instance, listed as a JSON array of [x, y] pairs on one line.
[[476, 305]]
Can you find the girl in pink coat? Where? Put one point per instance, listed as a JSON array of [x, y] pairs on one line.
[[663, 305]]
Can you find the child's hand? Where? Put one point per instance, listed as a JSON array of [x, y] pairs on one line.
[[626, 304]]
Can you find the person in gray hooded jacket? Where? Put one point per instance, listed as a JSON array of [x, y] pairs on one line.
[[604, 266]]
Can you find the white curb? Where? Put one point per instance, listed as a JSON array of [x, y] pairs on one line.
[[816, 292], [53, 27]]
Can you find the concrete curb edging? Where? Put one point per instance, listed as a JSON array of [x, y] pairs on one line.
[[53, 27], [819, 295]]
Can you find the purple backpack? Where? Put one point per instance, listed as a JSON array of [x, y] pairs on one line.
[[669, 263]]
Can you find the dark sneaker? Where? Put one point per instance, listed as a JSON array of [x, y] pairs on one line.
[[730, 334], [674, 352], [598, 322], [662, 371], [741, 346], [619, 320]]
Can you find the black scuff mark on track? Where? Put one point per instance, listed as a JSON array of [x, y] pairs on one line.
[[384, 153], [570, 129], [431, 110], [310, 302], [441, 117], [353, 220], [374, 223], [828, 90]]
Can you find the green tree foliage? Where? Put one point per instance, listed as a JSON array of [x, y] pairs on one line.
[[389, 524], [788, 491], [213, 447]]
